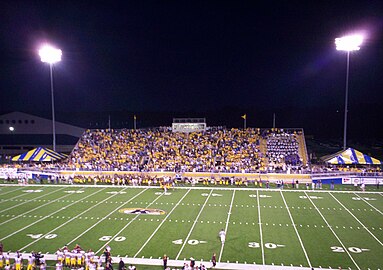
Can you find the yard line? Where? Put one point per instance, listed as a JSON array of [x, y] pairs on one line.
[[296, 231], [336, 236], [13, 190], [32, 201], [260, 228], [18, 196], [98, 222], [159, 226], [227, 224], [357, 220], [70, 220], [138, 215], [194, 223], [37, 221], [380, 212], [43, 205]]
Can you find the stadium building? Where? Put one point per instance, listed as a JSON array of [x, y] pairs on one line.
[[20, 132]]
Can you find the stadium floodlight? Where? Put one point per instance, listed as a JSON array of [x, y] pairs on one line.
[[51, 55], [348, 44]]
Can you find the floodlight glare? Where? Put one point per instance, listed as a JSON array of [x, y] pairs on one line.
[[50, 55], [11, 129], [349, 43]]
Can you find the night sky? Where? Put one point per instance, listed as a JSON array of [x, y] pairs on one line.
[[218, 59]]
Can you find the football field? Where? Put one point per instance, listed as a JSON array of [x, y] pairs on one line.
[[299, 228]]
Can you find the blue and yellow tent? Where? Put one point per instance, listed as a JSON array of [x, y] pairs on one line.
[[39, 154], [351, 156]]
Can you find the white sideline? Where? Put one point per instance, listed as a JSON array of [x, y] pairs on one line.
[[260, 228], [358, 221], [376, 209], [208, 188], [33, 208], [227, 224], [159, 226], [37, 221], [194, 223], [296, 231], [333, 232], [179, 263]]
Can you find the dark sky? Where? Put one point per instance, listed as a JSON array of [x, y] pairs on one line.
[[202, 57]]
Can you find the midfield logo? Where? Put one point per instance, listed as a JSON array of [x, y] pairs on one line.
[[145, 211]]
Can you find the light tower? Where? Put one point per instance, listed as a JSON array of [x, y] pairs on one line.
[[51, 56], [347, 44]]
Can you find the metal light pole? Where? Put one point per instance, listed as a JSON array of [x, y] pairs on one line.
[[51, 55], [347, 44]]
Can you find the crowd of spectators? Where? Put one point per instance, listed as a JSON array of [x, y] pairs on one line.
[[283, 147], [216, 150]]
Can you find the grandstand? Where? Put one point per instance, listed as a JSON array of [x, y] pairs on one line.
[[211, 150]]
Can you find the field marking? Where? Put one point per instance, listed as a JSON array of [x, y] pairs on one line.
[[37, 221], [358, 220], [123, 228], [296, 231], [209, 188], [159, 226], [380, 212], [260, 229], [18, 196], [227, 224], [43, 205], [13, 190], [27, 201], [194, 223], [70, 220], [98, 222], [336, 236]]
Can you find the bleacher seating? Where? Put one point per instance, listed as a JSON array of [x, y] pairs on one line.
[[282, 147], [160, 149]]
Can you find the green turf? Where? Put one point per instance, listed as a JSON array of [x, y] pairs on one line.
[[294, 235]]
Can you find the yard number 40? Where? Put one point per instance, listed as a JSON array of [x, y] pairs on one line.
[[37, 236], [267, 245]]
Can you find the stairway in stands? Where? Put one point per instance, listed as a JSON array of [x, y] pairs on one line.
[[302, 148]]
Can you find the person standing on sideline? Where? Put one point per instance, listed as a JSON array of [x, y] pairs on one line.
[[121, 265], [214, 260], [165, 260]]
